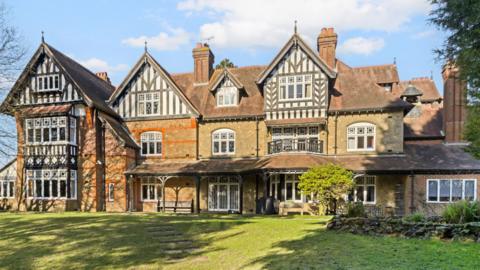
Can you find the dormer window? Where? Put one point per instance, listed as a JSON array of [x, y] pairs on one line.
[[48, 82], [295, 87], [227, 96]]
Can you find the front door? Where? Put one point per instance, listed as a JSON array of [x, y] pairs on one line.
[[223, 194]]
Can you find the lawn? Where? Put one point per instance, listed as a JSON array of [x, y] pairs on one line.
[[99, 240]]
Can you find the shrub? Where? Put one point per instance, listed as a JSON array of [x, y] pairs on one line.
[[415, 217], [355, 209], [462, 212]]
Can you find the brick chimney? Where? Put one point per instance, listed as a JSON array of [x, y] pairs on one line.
[[202, 63], [326, 45], [454, 104], [104, 76]]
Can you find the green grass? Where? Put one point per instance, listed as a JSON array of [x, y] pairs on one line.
[[89, 240]]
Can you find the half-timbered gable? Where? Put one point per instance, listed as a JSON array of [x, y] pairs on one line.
[[296, 83], [149, 92]]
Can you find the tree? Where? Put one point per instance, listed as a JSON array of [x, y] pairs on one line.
[[328, 183], [225, 63], [11, 55], [461, 19]]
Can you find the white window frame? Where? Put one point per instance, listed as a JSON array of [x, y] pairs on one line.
[[149, 137], [150, 98], [39, 175], [111, 192], [40, 124], [157, 195], [353, 132], [223, 181], [224, 94], [218, 139], [8, 183], [365, 189], [52, 82], [289, 178], [284, 82], [427, 188]]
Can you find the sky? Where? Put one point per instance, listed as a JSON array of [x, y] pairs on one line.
[[108, 35]]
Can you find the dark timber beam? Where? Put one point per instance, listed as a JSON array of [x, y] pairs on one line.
[[240, 179], [197, 194]]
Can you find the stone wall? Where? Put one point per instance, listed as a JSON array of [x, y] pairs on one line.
[[397, 226], [389, 132], [245, 140]]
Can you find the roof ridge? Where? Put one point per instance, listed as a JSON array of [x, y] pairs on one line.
[[374, 66]]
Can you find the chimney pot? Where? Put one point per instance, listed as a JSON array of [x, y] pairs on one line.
[[454, 104], [104, 76]]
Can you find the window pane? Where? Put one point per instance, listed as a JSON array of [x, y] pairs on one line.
[[433, 191], [144, 148], [144, 192], [457, 186], [148, 109], [151, 148], [297, 192], [444, 190], [360, 142], [289, 191], [469, 190], [215, 147], [46, 188], [38, 188], [151, 190], [54, 188], [282, 92], [56, 82], [370, 194], [38, 135], [159, 148], [12, 189], [299, 90], [63, 188], [54, 133], [231, 146], [360, 194], [308, 90], [291, 91], [30, 135], [224, 147], [370, 142], [62, 134], [46, 134], [351, 142]]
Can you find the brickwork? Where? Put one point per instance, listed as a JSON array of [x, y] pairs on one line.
[[179, 136]]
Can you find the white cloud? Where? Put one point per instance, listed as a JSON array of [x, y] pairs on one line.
[[268, 23], [163, 41], [361, 45], [97, 65], [424, 34]]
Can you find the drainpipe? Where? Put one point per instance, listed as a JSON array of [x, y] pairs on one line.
[[257, 131], [412, 192], [336, 133]]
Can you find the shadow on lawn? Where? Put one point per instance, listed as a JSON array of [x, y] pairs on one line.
[[99, 240]]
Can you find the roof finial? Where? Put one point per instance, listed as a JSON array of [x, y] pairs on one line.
[[146, 49], [394, 60], [295, 27], [43, 38]]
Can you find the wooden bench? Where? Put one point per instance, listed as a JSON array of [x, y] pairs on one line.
[[176, 206], [284, 208]]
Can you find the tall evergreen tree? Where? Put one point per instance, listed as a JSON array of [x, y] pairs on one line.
[[461, 19]]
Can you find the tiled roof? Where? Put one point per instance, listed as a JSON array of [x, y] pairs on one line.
[[251, 99], [49, 109], [379, 74], [428, 124], [418, 158], [120, 130]]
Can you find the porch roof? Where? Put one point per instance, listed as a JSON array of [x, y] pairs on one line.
[[418, 159], [194, 167]]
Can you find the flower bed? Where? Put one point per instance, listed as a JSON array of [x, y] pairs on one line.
[[399, 227]]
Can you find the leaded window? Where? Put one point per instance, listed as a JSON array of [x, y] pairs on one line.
[[295, 87], [361, 137], [149, 104], [50, 130], [223, 142], [365, 190], [151, 190], [51, 184], [151, 143]]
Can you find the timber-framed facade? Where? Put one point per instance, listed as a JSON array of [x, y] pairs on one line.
[[233, 139]]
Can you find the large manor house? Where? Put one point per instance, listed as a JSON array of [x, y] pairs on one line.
[[234, 140]]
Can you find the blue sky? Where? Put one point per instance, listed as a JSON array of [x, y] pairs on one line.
[[108, 35]]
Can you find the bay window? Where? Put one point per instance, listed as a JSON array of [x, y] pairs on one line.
[[51, 184], [151, 143], [361, 137], [450, 190], [50, 130], [223, 142]]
